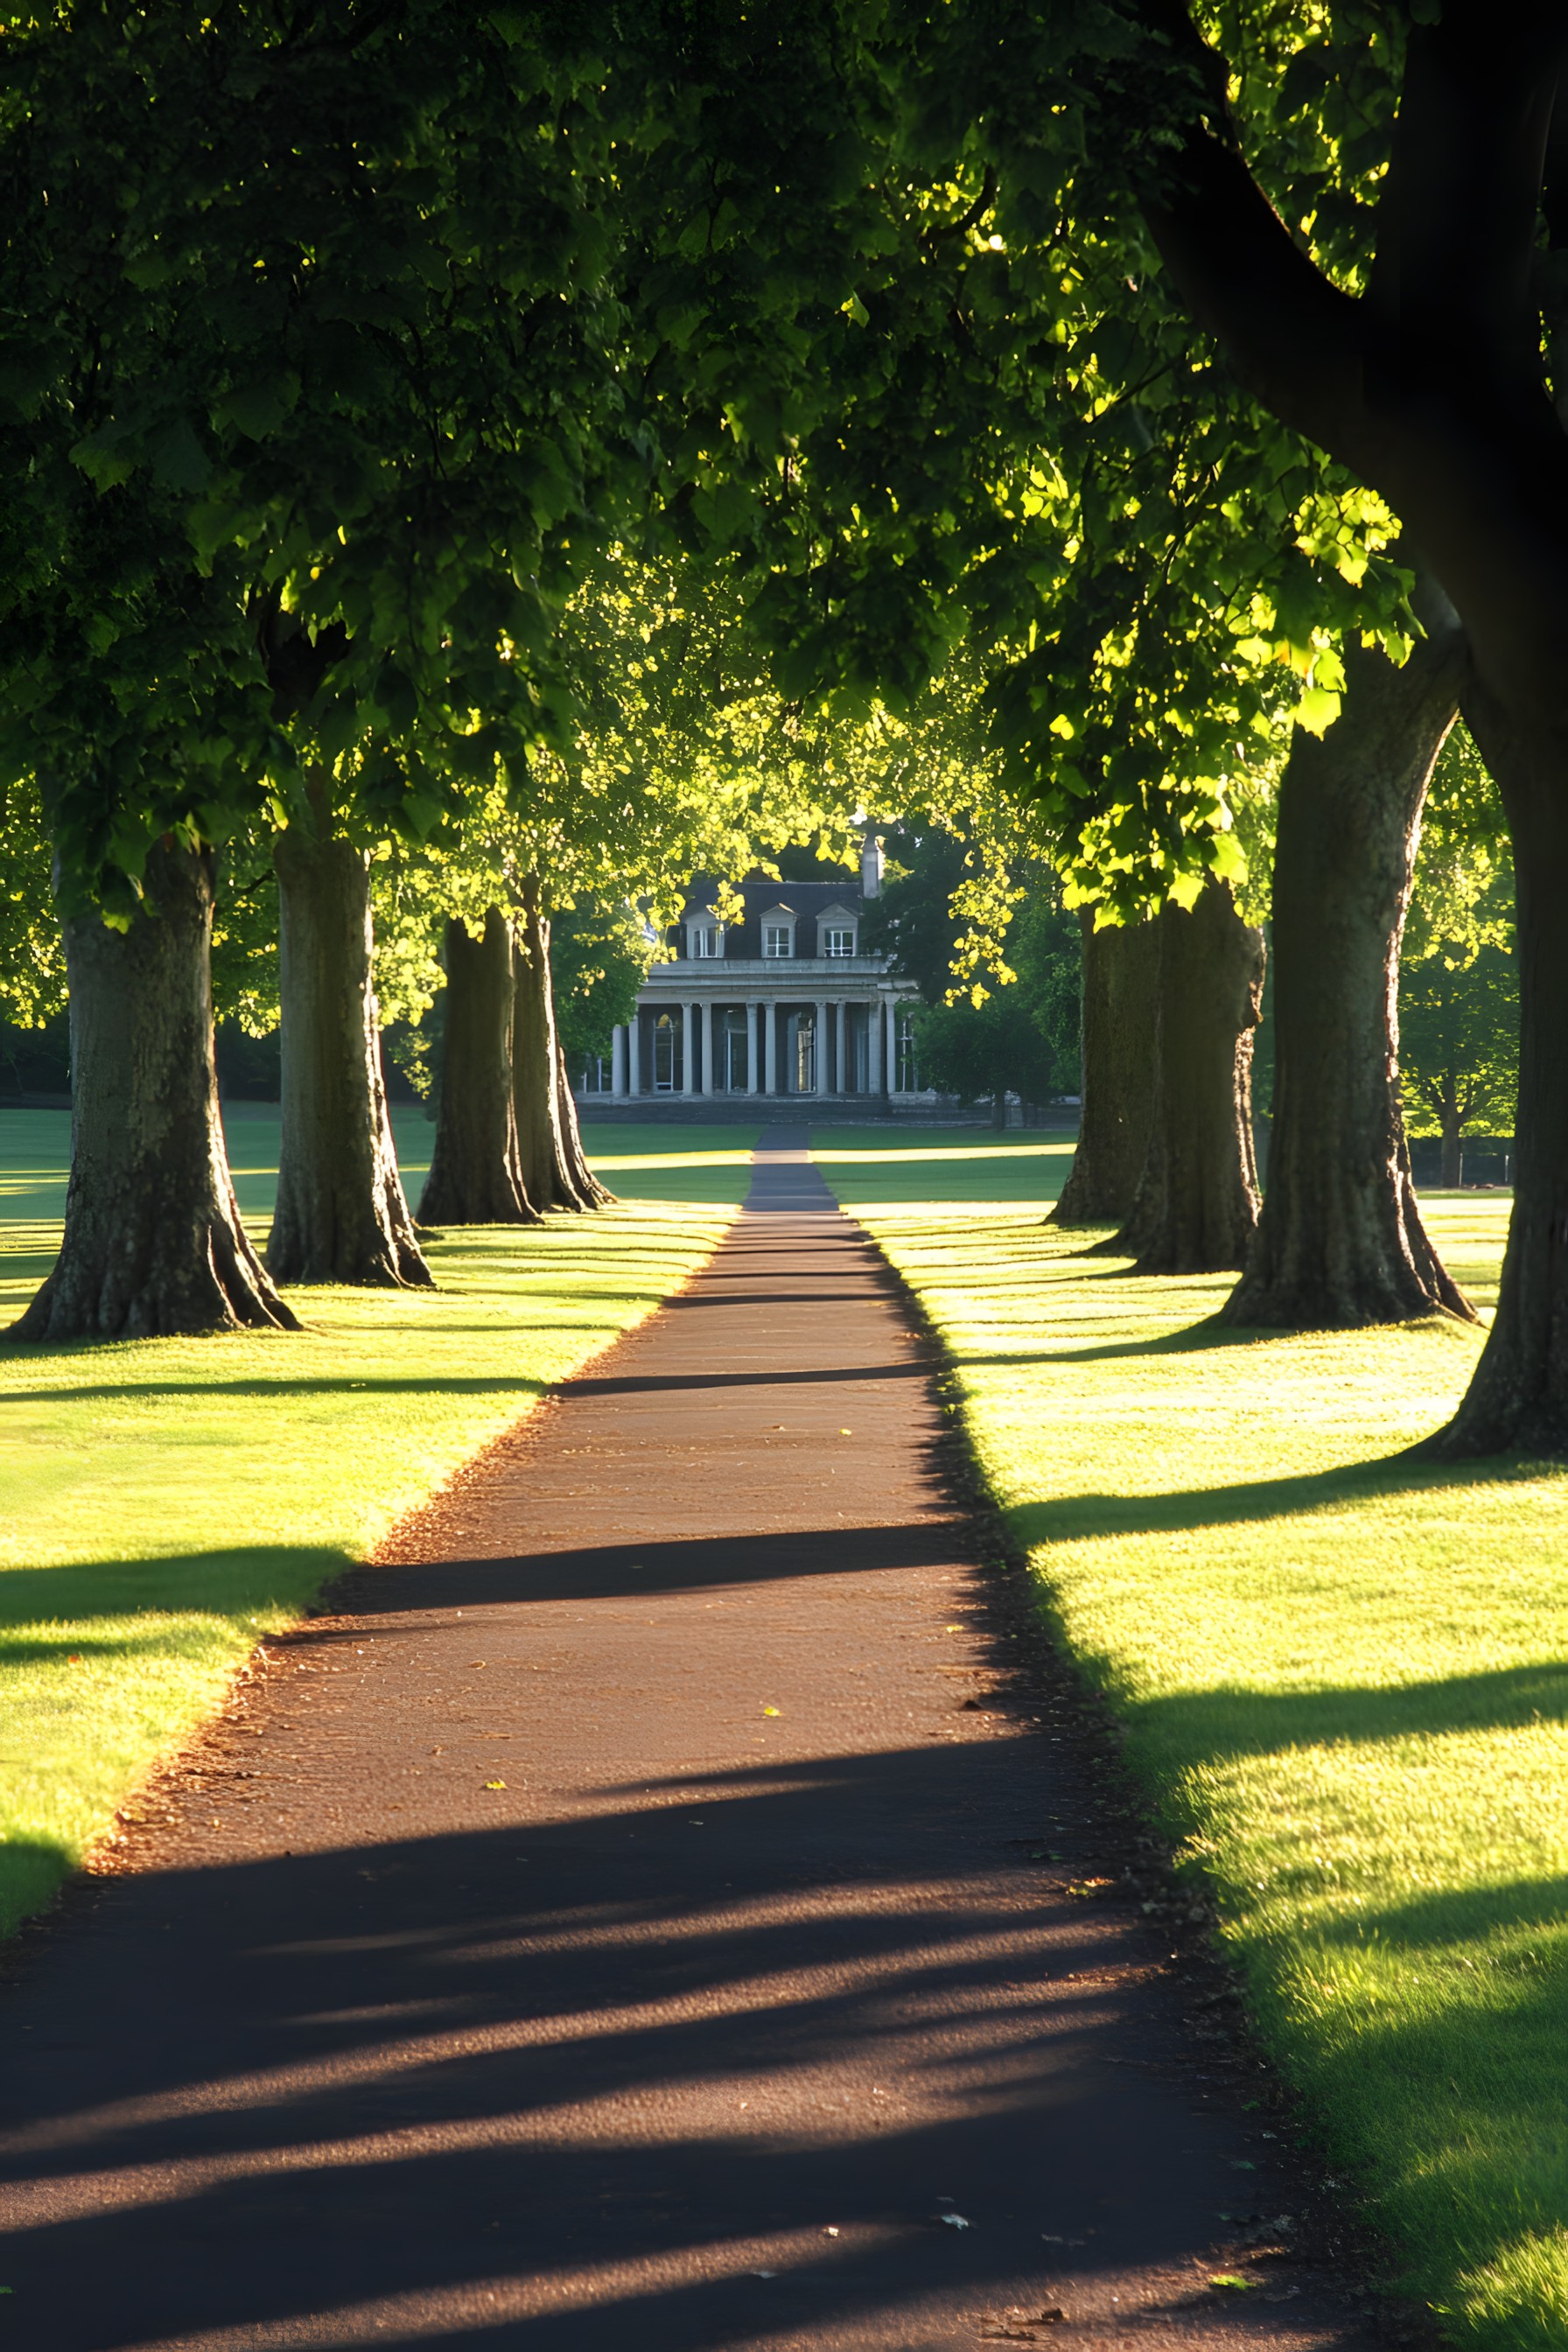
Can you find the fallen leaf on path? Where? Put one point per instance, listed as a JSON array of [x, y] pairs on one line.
[[770, 1710], [495, 1784], [954, 2221], [1233, 2280]]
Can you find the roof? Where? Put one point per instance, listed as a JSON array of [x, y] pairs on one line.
[[838, 894]]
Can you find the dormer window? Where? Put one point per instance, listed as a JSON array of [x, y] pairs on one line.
[[836, 931], [704, 937], [778, 934]]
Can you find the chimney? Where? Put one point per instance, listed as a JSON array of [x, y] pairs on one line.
[[871, 868]]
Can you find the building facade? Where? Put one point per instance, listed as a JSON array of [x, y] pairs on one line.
[[783, 1004]]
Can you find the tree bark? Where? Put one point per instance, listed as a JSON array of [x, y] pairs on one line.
[[1196, 1204], [153, 1241], [1121, 992], [550, 1168], [340, 1213], [1430, 387], [1340, 1243], [597, 1195], [475, 1177], [1519, 1396]]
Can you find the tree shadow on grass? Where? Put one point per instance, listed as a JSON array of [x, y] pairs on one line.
[[238, 1582], [1229, 1720], [265, 1385], [1073, 1519]]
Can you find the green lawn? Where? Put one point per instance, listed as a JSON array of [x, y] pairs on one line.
[[165, 1502], [1343, 1679]]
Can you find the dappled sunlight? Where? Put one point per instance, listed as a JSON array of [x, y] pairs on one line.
[[421, 2058]]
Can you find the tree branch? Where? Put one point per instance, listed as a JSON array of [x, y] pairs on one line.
[[1293, 339], [1450, 289]]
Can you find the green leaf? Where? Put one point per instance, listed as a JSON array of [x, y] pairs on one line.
[[258, 408], [1318, 709], [179, 461]]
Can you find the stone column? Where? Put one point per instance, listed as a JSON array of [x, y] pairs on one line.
[[689, 1050], [707, 1085], [819, 1047], [753, 1046], [634, 1040], [891, 1017], [876, 1038], [841, 1048], [619, 1062], [770, 1046]]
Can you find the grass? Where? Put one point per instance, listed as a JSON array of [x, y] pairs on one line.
[[166, 1503], [1343, 1678]]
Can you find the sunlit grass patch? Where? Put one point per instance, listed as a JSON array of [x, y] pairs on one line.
[[1343, 1677], [166, 1503]]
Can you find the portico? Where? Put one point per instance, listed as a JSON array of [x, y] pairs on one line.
[[783, 1006]]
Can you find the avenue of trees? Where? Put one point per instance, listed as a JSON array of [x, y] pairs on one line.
[[468, 467]]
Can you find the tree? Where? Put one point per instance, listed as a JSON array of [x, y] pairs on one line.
[[1195, 1208], [327, 348], [1339, 1240], [598, 960], [1406, 339], [142, 1022], [1119, 1021], [995, 960], [1459, 1047], [1459, 994], [475, 1172]]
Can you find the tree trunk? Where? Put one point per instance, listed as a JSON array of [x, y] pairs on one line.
[[341, 1214], [1519, 1396], [1340, 1243], [476, 1178], [153, 1243], [550, 1167], [597, 1195], [1120, 991], [1196, 1204]]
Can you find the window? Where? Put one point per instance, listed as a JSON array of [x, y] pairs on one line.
[[838, 940], [778, 940], [707, 941]]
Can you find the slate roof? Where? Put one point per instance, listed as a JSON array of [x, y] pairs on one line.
[[840, 888]]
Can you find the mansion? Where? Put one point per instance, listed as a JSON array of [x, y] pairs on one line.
[[783, 1004]]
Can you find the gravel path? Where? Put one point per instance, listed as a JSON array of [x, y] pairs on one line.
[[631, 1923]]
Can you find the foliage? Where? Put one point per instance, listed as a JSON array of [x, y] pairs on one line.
[[598, 961], [32, 958], [1339, 1673], [988, 1026], [1458, 981], [977, 436]]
